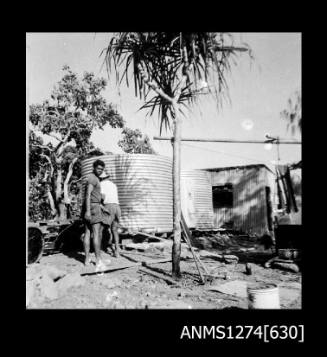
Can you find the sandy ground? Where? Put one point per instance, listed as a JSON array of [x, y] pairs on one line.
[[132, 289]]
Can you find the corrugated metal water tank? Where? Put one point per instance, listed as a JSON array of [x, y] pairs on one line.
[[196, 199], [145, 189]]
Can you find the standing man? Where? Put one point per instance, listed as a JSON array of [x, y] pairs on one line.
[[111, 210], [93, 214]]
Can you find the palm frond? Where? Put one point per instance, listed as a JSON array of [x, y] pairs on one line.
[[160, 54]]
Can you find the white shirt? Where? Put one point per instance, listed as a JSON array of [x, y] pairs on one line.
[[109, 190]]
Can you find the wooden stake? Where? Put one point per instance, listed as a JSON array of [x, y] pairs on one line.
[[188, 241]]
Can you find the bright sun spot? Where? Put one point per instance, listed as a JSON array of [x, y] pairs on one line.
[[268, 146], [247, 124]]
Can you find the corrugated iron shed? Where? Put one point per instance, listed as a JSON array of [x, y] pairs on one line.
[[252, 187]]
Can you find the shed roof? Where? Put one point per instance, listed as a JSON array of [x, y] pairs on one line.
[[238, 167]]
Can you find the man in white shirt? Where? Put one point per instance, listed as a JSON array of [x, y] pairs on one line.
[[111, 209]]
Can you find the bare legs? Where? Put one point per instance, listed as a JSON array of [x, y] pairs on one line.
[[96, 232], [115, 234], [96, 228], [86, 242]]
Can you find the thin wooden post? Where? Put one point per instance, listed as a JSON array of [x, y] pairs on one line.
[[176, 249]]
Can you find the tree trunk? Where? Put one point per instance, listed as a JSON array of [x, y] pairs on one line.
[[176, 251], [52, 204], [62, 211], [58, 183], [59, 199], [66, 183]]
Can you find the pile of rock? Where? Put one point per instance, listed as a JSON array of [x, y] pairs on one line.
[[150, 247], [218, 241], [224, 258], [164, 247], [286, 260]]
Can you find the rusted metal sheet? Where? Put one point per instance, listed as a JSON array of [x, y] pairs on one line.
[[249, 210], [196, 199], [145, 189]]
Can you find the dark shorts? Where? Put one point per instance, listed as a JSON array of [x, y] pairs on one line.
[[111, 213], [97, 215]]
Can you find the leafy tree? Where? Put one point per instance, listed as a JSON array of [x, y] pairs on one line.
[[75, 110], [169, 66], [38, 207], [293, 113], [134, 142]]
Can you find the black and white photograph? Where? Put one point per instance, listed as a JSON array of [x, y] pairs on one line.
[[164, 171]]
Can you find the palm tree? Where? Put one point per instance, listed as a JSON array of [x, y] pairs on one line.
[[170, 66]]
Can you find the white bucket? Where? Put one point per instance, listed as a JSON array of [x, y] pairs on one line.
[[263, 297]]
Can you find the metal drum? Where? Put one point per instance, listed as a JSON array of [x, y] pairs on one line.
[[196, 198], [263, 297], [145, 189]]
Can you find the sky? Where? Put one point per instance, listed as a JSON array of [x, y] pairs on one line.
[[259, 91]]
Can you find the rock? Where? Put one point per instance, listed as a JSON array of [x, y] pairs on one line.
[[138, 246], [247, 249], [286, 266], [210, 255], [69, 281], [248, 269], [47, 288], [231, 259], [269, 262]]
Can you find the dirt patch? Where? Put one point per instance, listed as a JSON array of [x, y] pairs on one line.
[[65, 288]]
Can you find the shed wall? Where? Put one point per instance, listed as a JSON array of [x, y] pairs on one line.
[[196, 199], [249, 211]]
